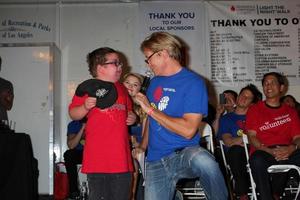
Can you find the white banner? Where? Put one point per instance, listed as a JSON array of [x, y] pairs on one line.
[[27, 24], [251, 38], [184, 19]]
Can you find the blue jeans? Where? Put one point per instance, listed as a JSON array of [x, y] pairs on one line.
[[191, 162]]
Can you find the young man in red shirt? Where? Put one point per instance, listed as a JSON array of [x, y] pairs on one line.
[[106, 155], [274, 134]]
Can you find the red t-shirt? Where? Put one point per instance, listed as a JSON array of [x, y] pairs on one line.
[[273, 126], [106, 147]]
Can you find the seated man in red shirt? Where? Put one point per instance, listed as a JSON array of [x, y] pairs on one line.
[[274, 134]]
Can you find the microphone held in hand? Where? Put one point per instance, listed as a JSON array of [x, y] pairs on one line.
[[146, 82]]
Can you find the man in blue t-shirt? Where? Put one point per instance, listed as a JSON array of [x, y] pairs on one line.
[[176, 103], [231, 130], [73, 156]]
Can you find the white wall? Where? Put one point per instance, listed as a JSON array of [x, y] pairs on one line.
[[32, 111]]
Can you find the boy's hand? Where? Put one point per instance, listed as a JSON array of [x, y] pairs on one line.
[[131, 118], [90, 103]]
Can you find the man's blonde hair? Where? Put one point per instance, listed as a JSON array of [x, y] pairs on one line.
[[159, 41]]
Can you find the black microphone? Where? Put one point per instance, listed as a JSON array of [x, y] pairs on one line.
[[146, 82]]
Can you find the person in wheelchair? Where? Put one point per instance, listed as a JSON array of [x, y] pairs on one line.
[[273, 131], [231, 130]]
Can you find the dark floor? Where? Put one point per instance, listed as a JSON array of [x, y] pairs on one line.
[[46, 197]]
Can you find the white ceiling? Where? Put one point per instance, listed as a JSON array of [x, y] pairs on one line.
[[74, 1], [66, 1]]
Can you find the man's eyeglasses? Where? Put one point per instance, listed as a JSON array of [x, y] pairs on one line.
[[115, 63], [147, 60]]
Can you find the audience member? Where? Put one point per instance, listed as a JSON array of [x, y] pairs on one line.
[[73, 156], [6, 96], [232, 128], [133, 82], [106, 156], [291, 101], [228, 106], [176, 102], [274, 134]]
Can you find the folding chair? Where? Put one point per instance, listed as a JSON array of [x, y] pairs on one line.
[[7, 126], [207, 135], [284, 169], [82, 183], [227, 167], [271, 169], [253, 194], [195, 191], [229, 175]]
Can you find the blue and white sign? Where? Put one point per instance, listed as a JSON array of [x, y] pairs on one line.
[[19, 24]]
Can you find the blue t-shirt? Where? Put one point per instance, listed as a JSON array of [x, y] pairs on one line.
[[176, 95], [136, 130], [73, 128], [232, 123]]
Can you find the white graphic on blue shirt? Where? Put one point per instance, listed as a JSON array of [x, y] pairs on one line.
[[162, 105]]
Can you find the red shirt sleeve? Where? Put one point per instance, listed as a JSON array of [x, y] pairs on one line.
[[77, 101]]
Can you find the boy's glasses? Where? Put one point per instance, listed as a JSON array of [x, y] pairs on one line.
[[115, 63]]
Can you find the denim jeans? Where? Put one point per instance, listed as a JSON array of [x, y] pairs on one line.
[[109, 186], [191, 162]]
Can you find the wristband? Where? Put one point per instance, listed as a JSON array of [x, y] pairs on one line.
[[296, 146], [150, 111]]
